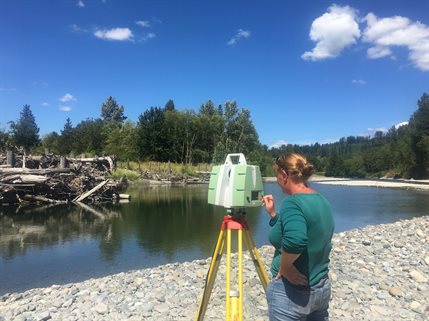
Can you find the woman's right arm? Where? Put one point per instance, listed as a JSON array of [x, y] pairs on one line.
[[268, 202]]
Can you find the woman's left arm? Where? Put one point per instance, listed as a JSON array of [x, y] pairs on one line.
[[289, 271]]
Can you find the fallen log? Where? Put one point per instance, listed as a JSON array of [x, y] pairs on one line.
[[25, 179], [42, 171], [85, 195], [38, 198], [96, 160]]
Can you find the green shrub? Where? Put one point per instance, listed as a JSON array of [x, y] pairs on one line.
[[128, 174]]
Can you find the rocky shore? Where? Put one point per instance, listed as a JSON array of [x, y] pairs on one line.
[[378, 273]]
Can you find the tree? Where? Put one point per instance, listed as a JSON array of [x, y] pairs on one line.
[[169, 106], [211, 130], [247, 137], [51, 142], [66, 139], [239, 135], [208, 109], [4, 138], [111, 111], [335, 166], [129, 146], [419, 128], [25, 132], [151, 135], [123, 142], [89, 137]]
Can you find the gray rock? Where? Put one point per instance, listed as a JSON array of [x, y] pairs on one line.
[[162, 308], [417, 276], [101, 308], [44, 316]]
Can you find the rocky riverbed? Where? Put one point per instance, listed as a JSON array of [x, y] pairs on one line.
[[378, 273]]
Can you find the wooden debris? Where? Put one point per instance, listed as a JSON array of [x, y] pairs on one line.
[[92, 191], [51, 179]]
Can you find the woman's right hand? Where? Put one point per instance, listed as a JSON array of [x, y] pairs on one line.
[[268, 202]]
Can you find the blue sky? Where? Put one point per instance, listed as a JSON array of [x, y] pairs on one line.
[[308, 71]]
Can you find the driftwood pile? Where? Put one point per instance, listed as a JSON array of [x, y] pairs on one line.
[[171, 178], [53, 179]]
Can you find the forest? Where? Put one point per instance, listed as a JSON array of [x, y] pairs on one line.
[[165, 134]]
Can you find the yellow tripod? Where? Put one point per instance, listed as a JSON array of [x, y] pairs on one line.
[[234, 299]]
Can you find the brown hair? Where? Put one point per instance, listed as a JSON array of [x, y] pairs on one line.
[[295, 165]]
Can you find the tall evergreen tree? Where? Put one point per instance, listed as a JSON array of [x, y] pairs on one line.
[[25, 132], [111, 111], [169, 106], [67, 138], [208, 109]]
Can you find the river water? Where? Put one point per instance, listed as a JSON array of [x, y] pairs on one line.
[[42, 246]]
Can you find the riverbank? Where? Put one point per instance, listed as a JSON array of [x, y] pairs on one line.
[[379, 273], [388, 183]]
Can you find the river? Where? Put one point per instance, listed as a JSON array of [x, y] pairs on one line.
[[42, 246]]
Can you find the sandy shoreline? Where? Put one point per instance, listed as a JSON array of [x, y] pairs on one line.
[[387, 183]]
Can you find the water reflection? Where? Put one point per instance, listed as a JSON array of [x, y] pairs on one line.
[[162, 219], [31, 228], [169, 218]]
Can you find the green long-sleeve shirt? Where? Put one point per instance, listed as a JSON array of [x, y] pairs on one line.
[[304, 225]]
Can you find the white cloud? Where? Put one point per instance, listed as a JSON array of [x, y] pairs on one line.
[[385, 33], [404, 123], [116, 34], [148, 36], [333, 31], [278, 144], [45, 104], [143, 23], [359, 81], [67, 97], [65, 108], [80, 4], [378, 52], [372, 131], [238, 36], [77, 29]]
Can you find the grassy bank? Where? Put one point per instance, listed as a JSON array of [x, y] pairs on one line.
[[134, 170]]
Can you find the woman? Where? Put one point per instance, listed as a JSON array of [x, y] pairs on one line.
[[301, 234]]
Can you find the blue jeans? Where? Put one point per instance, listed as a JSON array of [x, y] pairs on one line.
[[287, 302]]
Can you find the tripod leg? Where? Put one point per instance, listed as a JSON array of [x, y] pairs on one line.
[[211, 275], [228, 275], [256, 259], [240, 274]]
